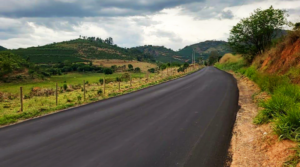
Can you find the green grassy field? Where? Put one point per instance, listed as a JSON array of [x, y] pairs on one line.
[[71, 78]]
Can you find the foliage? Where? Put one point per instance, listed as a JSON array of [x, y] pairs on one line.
[[130, 67], [101, 81], [137, 70], [254, 34], [297, 26], [108, 71], [2, 48], [78, 50], [213, 58], [151, 70]]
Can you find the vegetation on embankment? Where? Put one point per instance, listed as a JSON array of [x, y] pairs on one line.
[[273, 64]]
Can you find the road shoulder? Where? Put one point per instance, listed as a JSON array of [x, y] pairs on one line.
[[255, 145]]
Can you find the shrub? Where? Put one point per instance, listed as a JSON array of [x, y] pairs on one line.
[[79, 98], [288, 126], [108, 71], [65, 86], [125, 77], [118, 79], [137, 70], [289, 90], [151, 70], [99, 92], [278, 105], [101, 81]]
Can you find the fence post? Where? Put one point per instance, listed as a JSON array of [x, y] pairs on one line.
[[21, 97], [147, 76], [56, 94], [119, 86], [104, 86], [167, 71], [130, 81], [83, 90]]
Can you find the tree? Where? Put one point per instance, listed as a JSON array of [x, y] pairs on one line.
[[151, 70], [254, 34], [186, 65], [137, 70], [213, 57], [130, 66], [108, 71], [201, 60], [297, 26], [162, 66]]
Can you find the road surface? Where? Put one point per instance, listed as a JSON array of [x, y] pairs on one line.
[[185, 122]]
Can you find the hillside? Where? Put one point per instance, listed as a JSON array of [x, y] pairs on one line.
[[284, 58], [204, 48], [160, 53], [2, 48], [184, 55], [11, 63], [79, 50]]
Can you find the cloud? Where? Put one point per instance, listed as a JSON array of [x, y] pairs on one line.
[[172, 23], [86, 8], [227, 14]]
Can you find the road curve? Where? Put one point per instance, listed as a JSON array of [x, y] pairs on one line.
[[185, 122]]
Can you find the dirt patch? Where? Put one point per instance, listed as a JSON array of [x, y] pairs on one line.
[[255, 145], [284, 56]]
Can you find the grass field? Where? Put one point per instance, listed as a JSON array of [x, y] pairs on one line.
[[144, 66], [70, 78], [37, 105]]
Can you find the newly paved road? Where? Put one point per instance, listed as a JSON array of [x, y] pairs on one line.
[[185, 122]]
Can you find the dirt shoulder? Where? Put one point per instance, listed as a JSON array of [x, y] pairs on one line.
[[255, 145]]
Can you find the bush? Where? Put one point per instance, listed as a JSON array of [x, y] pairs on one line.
[[289, 90], [125, 77], [108, 71], [65, 86], [151, 70], [101, 81], [99, 92], [118, 79], [288, 126], [137, 70]]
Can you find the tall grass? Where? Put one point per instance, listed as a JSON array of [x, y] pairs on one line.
[[283, 108]]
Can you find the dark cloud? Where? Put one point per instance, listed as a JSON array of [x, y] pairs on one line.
[[14, 29], [227, 14], [87, 8], [213, 8]]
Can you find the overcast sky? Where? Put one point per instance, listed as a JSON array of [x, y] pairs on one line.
[[172, 23]]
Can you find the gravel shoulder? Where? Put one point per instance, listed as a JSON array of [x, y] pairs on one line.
[[255, 145]]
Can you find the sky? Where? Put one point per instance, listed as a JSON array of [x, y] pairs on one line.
[[171, 23]]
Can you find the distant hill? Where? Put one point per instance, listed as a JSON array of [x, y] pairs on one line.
[[203, 49], [160, 53], [90, 48], [79, 50], [2, 48]]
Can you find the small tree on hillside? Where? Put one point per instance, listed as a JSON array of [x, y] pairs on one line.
[[213, 57], [130, 67], [254, 34], [297, 26]]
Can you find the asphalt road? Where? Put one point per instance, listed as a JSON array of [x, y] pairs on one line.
[[185, 122]]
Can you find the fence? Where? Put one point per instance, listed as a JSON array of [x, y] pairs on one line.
[[113, 88]]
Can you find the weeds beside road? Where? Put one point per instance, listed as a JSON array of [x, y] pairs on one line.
[[282, 109]]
